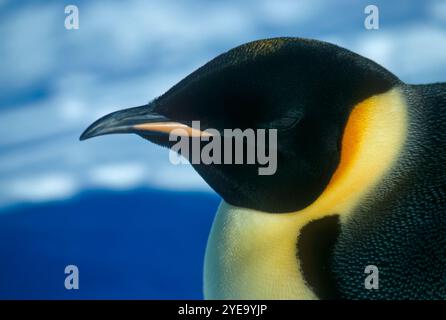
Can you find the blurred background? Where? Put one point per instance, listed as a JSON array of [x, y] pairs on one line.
[[134, 224]]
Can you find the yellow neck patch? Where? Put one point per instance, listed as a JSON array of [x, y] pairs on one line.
[[253, 254]]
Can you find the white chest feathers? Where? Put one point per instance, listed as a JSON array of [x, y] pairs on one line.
[[253, 255]]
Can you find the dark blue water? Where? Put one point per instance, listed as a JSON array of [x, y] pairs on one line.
[[144, 244]]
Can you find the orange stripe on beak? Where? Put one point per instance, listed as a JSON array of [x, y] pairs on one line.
[[175, 128]]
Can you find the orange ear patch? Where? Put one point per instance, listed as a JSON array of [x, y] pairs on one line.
[[372, 141], [358, 123]]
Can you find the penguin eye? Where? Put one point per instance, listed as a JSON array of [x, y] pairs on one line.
[[285, 122]]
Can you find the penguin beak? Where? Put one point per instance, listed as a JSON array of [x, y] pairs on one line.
[[139, 120]]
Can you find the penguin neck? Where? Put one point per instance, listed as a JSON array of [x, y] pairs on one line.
[[254, 255]]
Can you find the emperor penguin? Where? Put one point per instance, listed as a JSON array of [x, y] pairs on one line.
[[360, 184]]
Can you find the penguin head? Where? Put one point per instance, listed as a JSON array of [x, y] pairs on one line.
[[305, 89]]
